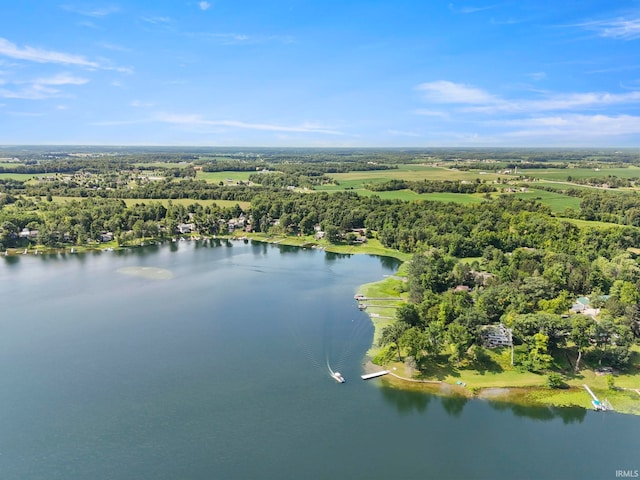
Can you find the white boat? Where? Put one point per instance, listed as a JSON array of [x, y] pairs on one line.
[[338, 377]]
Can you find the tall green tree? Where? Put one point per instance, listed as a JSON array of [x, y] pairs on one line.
[[582, 331], [392, 334]]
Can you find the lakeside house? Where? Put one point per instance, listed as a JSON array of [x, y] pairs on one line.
[[583, 305], [185, 227], [26, 233], [496, 336], [105, 236]]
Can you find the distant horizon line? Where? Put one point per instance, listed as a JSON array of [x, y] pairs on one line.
[[246, 147]]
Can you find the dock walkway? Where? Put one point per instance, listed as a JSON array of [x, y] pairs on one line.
[[596, 403], [374, 375]]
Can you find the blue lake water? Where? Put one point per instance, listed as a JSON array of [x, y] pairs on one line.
[[220, 372]]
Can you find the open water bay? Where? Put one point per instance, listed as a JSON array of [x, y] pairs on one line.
[[198, 360]]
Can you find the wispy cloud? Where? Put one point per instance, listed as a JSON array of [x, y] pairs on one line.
[[555, 102], [431, 113], [621, 28], [39, 88], [198, 121], [472, 9], [204, 5], [472, 99], [61, 79], [537, 76], [156, 20], [30, 92], [241, 38], [91, 12], [114, 47], [139, 104], [577, 126], [39, 55], [443, 91]]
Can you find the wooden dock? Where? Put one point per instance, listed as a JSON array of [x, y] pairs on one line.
[[374, 375], [598, 405]]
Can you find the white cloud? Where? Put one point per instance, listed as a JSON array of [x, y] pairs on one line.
[[241, 38], [443, 91], [31, 92], [61, 79], [43, 56], [88, 12], [198, 120], [554, 102], [40, 55], [572, 125], [114, 47], [204, 5], [472, 9], [536, 75], [156, 20], [622, 29], [471, 99]]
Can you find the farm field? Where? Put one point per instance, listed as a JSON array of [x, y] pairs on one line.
[[217, 177], [556, 201], [23, 177], [411, 172], [561, 174]]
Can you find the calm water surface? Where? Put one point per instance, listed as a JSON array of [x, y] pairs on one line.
[[219, 372]]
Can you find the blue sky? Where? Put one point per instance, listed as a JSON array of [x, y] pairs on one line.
[[321, 73]]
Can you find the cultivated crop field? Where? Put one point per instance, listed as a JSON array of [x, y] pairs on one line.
[[412, 172], [217, 177], [23, 177], [561, 174]]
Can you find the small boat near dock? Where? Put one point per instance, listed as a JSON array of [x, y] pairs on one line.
[[337, 376]]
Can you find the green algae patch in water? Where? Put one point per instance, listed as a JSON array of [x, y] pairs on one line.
[[152, 273]]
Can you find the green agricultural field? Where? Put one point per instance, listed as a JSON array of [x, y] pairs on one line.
[[410, 172], [17, 176], [217, 177], [556, 201], [561, 174], [592, 223], [408, 195]]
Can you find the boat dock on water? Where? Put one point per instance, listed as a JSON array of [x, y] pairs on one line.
[[597, 404], [369, 376]]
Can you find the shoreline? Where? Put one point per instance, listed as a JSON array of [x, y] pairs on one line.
[[528, 389], [536, 394]]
